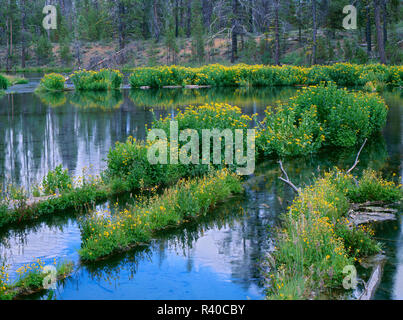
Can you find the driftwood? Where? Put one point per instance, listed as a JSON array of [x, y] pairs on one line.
[[358, 157], [287, 179], [377, 263], [371, 212]]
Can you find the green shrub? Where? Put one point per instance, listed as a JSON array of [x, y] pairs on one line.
[[285, 132], [347, 118], [102, 80], [372, 187], [3, 82], [57, 179], [52, 82]]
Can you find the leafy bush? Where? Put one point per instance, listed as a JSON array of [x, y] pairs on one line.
[[104, 79], [372, 187], [3, 82], [347, 117], [57, 179], [52, 82], [285, 132]]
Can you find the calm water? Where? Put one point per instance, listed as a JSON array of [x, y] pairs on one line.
[[216, 257]]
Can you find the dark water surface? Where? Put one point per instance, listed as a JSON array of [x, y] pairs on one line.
[[216, 257]]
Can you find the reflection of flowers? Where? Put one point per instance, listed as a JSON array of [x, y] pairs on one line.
[[54, 99], [174, 98], [105, 100]]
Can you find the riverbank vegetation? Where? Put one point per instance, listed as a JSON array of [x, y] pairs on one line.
[[343, 74], [317, 240], [104, 234], [52, 82], [320, 116], [9, 80], [31, 278], [102, 80]]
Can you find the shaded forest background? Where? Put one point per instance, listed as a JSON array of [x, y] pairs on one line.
[[133, 33]]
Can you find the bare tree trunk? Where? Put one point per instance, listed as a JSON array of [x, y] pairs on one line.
[[379, 33], [368, 30], [156, 21], [234, 50], [189, 19], [277, 36], [300, 22], [23, 33], [385, 22], [121, 11], [176, 18], [314, 32]]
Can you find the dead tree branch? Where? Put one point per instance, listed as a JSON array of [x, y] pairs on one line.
[[287, 179], [357, 158]]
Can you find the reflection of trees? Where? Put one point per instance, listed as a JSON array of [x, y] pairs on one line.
[[36, 138]]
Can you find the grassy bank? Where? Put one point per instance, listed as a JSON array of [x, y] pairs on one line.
[[31, 279], [56, 193], [104, 234], [317, 241], [343, 74]]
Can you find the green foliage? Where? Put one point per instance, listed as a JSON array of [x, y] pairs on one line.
[[104, 235], [3, 82], [57, 179], [52, 82], [105, 79], [286, 132], [65, 53], [43, 50], [347, 118], [343, 74], [372, 187]]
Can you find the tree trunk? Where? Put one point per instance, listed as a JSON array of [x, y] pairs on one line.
[[189, 19], [314, 32], [300, 23], [385, 22], [277, 36], [23, 33], [121, 11], [379, 33], [156, 21], [368, 30], [176, 18], [234, 50]]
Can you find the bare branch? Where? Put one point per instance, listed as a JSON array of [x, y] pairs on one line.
[[287, 179], [357, 158]]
